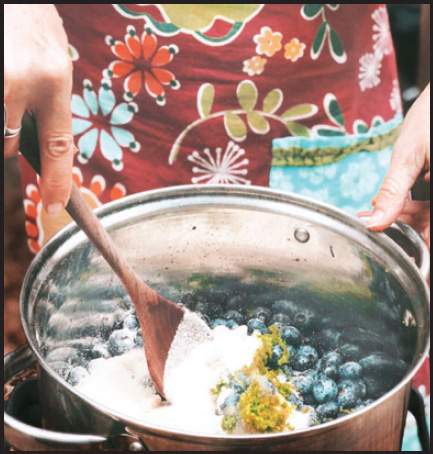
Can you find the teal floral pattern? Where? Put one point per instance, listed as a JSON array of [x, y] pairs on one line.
[[98, 118]]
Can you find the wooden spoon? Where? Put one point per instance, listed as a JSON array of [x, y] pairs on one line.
[[159, 317]]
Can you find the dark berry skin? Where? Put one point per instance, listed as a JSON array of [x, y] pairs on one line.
[[257, 324], [277, 353], [120, 341], [350, 352], [262, 313], [280, 319], [304, 381], [325, 390], [328, 410], [306, 358], [291, 335], [349, 392], [350, 370], [234, 315]]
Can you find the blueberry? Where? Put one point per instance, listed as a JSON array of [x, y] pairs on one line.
[[292, 352], [277, 353], [306, 355], [139, 338], [203, 308], [281, 319], [325, 390], [231, 400], [376, 387], [382, 364], [256, 324], [76, 375], [283, 307], [296, 400], [350, 352], [130, 322], [218, 322], [328, 410], [239, 383], [332, 358], [120, 341], [327, 339], [236, 302], [235, 316], [309, 399], [262, 313], [304, 382], [349, 392], [287, 369], [363, 403], [350, 370], [304, 320], [327, 370], [291, 335], [100, 351], [231, 324]]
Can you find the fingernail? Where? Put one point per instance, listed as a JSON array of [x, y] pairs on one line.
[[376, 219], [54, 209]]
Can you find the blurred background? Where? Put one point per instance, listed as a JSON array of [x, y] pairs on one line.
[[410, 26]]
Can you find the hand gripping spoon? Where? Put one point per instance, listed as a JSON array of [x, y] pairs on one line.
[[159, 317]]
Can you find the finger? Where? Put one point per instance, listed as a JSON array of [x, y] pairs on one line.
[[414, 207], [54, 122], [14, 115], [398, 182]]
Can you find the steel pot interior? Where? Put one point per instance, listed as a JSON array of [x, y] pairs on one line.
[[225, 239]]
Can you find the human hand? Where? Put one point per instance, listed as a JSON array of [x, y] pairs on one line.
[[38, 77], [410, 159]]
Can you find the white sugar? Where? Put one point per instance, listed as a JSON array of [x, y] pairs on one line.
[[196, 362]]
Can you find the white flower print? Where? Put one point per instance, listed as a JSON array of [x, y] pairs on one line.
[[395, 99], [369, 71], [220, 167], [382, 32]]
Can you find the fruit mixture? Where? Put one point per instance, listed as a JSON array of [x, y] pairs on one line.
[[271, 368]]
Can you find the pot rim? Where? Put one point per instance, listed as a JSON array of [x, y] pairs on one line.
[[186, 191]]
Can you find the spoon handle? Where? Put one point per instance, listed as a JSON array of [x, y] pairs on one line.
[[86, 219]]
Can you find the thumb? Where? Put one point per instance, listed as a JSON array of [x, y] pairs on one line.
[[401, 176]]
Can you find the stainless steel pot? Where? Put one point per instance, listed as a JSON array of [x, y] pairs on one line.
[[247, 233]]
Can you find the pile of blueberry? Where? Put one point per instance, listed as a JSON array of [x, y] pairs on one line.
[[337, 367], [337, 371]]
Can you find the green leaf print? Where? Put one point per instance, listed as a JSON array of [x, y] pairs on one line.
[[333, 109], [329, 131], [336, 46], [296, 129], [333, 6], [272, 101], [205, 99], [235, 126], [299, 111], [258, 122], [247, 95], [310, 11], [319, 40]]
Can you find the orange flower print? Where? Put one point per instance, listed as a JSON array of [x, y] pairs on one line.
[[255, 65], [40, 228], [268, 43], [294, 50], [141, 61]]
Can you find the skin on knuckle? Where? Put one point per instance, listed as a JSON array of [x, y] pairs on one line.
[[58, 147], [390, 189]]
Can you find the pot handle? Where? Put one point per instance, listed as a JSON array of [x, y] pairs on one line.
[[25, 437], [410, 241]]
